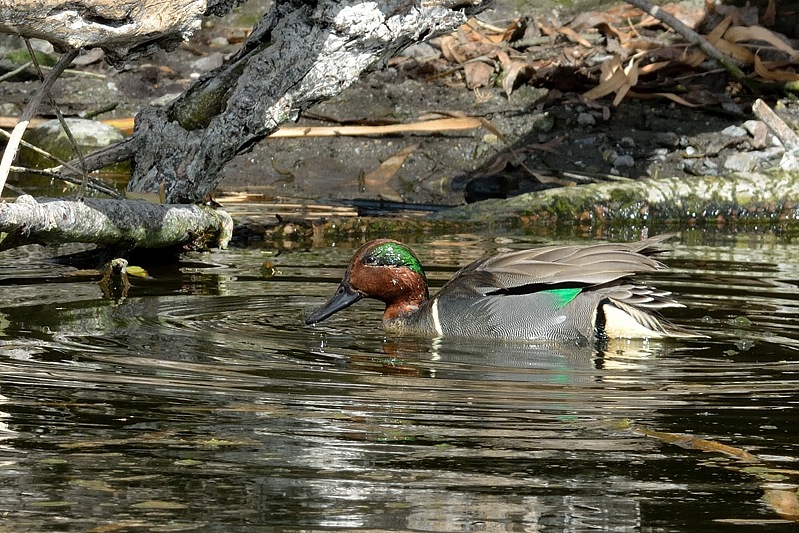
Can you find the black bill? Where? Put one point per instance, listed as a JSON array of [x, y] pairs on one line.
[[343, 298]]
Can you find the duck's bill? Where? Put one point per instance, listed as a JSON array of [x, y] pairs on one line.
[[343, 298]]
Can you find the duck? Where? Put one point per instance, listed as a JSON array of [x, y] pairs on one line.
[[563, 293]]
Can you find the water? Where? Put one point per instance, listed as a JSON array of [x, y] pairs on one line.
[[201, 402]]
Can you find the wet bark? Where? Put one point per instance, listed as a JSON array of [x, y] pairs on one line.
[[296, 56]]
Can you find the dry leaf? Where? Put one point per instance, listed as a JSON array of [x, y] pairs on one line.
[[376, 182], [695, 443], [574, 36], [631, 73], [449, 49], [784, 502], [544, 28], [717, 32], [478, 74], [504, 58], [774, 75], [737, 34], [694, 57], [735, 51], [615, 79], [608, 29], [517, 71], [472, 33], [512, 31]]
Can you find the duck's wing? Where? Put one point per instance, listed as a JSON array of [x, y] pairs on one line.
[[559, 266], [591, 280]]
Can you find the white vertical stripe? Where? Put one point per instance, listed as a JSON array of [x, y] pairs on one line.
[[436, 320]]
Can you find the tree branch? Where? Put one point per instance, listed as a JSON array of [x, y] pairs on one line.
[[30, 110], [128, 223], [297, 55]]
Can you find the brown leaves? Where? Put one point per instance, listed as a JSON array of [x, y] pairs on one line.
[[615, 79], [735, 34], [485, 56], [646, 59]]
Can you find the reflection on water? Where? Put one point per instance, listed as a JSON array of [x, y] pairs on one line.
[[202, 402]]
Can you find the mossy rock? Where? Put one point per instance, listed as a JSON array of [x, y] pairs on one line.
[[90, 135]]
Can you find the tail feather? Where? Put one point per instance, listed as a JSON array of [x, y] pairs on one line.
[[625, 320]]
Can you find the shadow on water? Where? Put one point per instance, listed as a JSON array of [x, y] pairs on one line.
[[202, 402]]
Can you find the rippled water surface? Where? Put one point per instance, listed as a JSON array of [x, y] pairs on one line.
[[201, 402]]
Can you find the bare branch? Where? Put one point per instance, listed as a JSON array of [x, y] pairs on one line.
[[29, 112]]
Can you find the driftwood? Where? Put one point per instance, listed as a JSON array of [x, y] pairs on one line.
[[120, 223], [296, 56], [122, 28]]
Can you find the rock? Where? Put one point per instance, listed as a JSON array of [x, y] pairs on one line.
[[50, 136], [667, 139], [209, 62], [543, 122], [742, 162], [624, 161], [586, 119], [421, 52], [733, 131], [759, 132]]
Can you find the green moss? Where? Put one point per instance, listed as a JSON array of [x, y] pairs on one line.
[[563, 204]]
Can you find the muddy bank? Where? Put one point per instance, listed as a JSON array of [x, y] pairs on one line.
[[540, 138]]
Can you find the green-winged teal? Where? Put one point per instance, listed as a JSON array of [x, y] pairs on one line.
[[559, 293]]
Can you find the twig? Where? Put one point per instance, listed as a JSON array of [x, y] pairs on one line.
[[778, 127], [692, 37], [83, 73], [57, 172], [435, 125], [61, 121], [788, 138], [113, 153], [14, 72], [29, 112]]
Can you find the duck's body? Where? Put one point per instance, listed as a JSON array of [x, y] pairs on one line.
[[557, 293]]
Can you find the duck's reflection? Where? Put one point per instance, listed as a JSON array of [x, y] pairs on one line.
[[486, 360]]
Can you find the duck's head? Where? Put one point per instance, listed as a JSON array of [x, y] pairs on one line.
[[385, 270]]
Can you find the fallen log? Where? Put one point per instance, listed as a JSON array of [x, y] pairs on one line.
[[771, 196], [124, 29], [120, 223]]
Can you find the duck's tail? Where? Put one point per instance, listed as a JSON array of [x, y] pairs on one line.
[[632, 311]]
